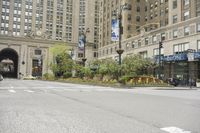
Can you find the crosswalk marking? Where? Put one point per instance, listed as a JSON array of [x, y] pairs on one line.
[[174, 130], [29, 91], [12, 91]]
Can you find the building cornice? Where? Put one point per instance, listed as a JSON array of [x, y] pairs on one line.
[[30, 40]]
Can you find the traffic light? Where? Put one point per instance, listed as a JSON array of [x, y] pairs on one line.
[[160, 45]]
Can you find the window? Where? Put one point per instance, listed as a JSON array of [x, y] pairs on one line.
[[138, 9], [156, 4], [143, 54], [129, 27], [181, 48], [162, 36], [156, 14], [162, 13], [95, 54], [129, 17], [38, 52], [166, 10], [139, 43], [186, 30], [80, 55], [138, 18], [146, 41], [198, 45], [162, 23], [133, 44], [161, 1], [156, 51], [127, 46], [146, 18], [198, 27], [175, 33], [151, 6], [186, 2], [186, 15], [174, 4], [175, 19], [154, 38], [145, 8], [151, 16]]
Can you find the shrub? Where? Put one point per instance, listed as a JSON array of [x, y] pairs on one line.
[[87, 72], [67, 75], [125, 79], [48, 76]]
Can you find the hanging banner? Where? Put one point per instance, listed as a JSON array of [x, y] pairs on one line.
[[81, 42], [115, 30]]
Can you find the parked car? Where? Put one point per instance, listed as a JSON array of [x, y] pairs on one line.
[[1, 77]]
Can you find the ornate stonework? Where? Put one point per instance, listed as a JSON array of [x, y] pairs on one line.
[[25, 48]]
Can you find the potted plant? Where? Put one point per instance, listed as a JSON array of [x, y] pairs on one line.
[[198, 83]]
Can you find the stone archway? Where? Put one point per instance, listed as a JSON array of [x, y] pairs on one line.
[[9, 63]]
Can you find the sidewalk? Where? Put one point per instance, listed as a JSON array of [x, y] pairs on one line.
[[167, 88]]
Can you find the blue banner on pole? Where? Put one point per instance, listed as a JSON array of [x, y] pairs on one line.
[[115, 30], [81, 42]]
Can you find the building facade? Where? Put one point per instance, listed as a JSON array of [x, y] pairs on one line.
[[30, 27], [175, 23]]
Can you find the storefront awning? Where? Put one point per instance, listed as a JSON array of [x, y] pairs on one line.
[[179, 57], [176, 57]]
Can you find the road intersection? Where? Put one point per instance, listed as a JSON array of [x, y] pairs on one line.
[[49, 107]]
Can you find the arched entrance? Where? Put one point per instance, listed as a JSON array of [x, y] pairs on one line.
[[9, 63]]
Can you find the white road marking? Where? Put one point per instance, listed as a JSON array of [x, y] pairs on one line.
[[29, 91], [12, 91], [175, 130]]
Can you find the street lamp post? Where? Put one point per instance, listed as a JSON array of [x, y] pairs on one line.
[[84, 42], [120, 30], [120, 50]]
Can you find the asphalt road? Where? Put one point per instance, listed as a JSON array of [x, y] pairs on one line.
[[51, 107]]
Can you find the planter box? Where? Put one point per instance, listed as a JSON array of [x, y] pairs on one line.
[[198, 84]]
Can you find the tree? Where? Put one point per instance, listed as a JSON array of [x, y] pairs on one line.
[[62, 64], [107, 67], [135, 65]]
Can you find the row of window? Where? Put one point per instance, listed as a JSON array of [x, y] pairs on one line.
[[177, 49], [155, 39], [175, 3]]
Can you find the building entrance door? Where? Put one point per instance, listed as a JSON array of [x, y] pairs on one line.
[[181, 72], [36, 67]]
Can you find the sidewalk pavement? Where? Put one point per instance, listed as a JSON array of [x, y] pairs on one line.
[[168, 88]]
